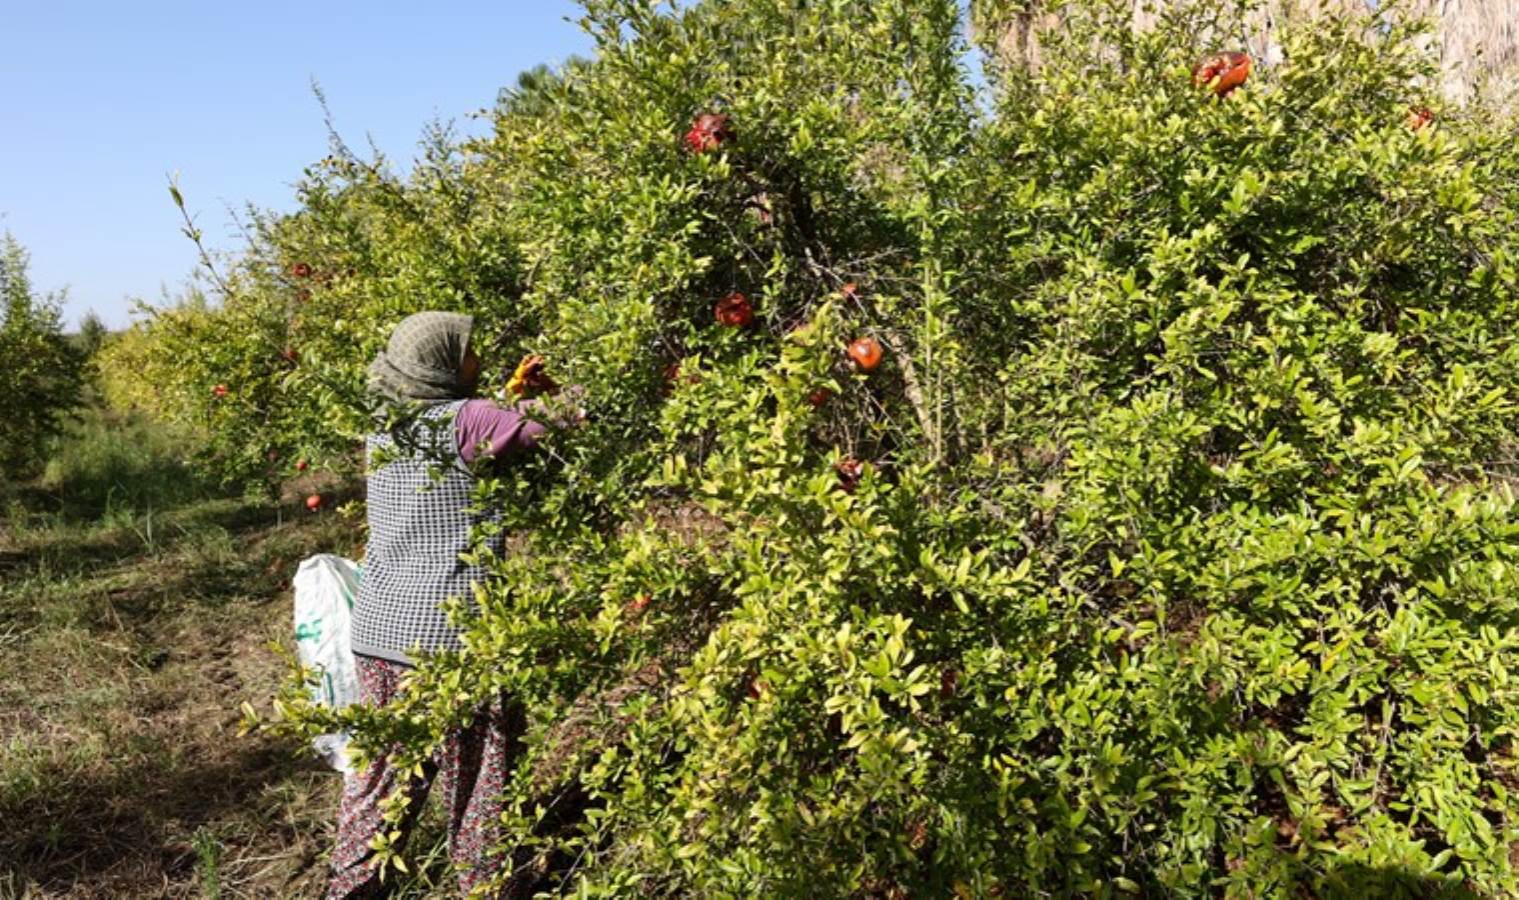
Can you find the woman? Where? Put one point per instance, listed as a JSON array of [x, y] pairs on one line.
[[419, 524]]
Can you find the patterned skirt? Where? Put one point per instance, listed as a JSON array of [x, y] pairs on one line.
[[472, 768]]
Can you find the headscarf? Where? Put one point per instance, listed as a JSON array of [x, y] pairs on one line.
[[421, 362]]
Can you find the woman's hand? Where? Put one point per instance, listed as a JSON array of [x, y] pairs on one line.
[[530, 379], [531, 385]]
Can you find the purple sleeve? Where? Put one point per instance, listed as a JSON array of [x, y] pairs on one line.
[[483, 428]]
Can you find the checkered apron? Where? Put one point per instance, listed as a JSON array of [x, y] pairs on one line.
[[418, 528]]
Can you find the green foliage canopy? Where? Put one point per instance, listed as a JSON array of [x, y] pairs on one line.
[[1183, 554], [42, 375]]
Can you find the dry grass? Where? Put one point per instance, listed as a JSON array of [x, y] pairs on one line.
[[125, 661], [129, 637]]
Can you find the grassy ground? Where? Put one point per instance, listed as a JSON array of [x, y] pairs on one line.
[[137, 612]]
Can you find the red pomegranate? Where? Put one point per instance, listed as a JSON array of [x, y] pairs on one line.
[[708, 132], [866, 353], [1224, 71], [734, 311], [850, 471]]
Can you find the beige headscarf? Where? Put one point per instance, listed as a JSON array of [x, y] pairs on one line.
[[421, 362]]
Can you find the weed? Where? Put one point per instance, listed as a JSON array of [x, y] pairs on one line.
[[208, 859], [113, 468]]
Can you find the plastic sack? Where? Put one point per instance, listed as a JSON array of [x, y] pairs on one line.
[[325, 588]]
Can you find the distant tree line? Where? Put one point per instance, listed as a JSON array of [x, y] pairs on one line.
[[43, 373]]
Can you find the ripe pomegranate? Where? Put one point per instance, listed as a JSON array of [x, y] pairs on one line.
[[314, 502], [668, 376], [300, 270], [819, 397], [734, 311], [1419, 116], [708, 132], [640, 603], [849, 470], [219, 391], [301, 465], [672, 375], [866, 353], [1230, 69]]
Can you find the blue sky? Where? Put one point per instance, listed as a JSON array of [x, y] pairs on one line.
[[102, 101]]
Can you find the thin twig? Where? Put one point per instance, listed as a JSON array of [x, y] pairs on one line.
[[194, 234]]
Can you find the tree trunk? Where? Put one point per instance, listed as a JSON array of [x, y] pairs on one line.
[[1475, 41]]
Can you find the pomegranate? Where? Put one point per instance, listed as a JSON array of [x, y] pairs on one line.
[[734, 311], [1224, 71], [866, 353], [708, 132]]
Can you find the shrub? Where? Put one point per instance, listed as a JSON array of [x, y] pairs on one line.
[[1169, 549], [43, 376], [108, 462], [268, 358]]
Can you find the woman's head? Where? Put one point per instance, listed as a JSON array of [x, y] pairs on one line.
[[429, 358]]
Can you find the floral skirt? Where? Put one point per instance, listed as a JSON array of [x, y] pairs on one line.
[[471, 768]]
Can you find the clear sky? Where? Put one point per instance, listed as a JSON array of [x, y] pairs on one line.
[[101, 101]]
